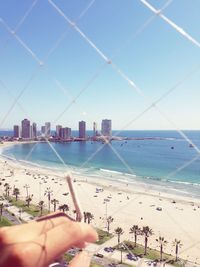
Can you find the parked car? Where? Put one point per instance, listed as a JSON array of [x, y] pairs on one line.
[[131, 257], [108, 249], [99, 255]]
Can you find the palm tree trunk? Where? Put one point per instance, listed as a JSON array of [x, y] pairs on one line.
[[41, 210], [118, 239], [49, 205], [161, 252], [85, 217], [108, 227], [145, 245], [1, 212], [176, 252], [135, 239]]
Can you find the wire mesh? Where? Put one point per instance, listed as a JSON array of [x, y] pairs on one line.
[[43, 65]]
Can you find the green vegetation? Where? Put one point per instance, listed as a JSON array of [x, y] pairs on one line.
[[33, 210], [67, 257], [103, 236], [152, 254], [5, 222], [95, 265]]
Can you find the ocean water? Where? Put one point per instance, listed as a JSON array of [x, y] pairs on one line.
[[169, 162]]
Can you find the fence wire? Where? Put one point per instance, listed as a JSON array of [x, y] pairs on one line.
[[108, 62]]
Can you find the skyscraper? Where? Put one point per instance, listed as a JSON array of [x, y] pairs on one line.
[[82, 129], [26, 129], [58, 127], [16, 131], [43, 130], [47, 129], [106, 128], [34, 130], [65, 133], [94, 129]]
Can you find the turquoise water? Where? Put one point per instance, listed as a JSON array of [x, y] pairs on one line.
[[148, 161]]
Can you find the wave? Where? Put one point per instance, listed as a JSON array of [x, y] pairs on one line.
[[34, 164], [8, 157], [110, 171], [184, 183]]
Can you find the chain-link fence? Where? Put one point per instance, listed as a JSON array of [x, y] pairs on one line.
[[67, 61]]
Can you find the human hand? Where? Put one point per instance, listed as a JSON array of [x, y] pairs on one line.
[[39, 243]]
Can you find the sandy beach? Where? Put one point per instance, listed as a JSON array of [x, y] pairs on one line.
[[177, 216]]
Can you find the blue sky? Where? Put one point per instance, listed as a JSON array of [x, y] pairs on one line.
[[156, 58]]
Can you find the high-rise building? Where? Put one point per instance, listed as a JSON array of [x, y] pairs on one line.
[[16, 131], [26, 133], [47, 129], [94, 129], [106, 128], [43, 130], [58, 128], [82, 129], [34, 130], [65, 133]]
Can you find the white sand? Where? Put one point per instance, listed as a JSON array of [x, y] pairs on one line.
[[128, 205]]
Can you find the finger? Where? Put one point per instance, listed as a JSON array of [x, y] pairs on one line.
[[82, 259], [29, 231], [49, 246]]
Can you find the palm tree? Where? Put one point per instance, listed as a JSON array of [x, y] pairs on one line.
[[177, 244], [41, 206], [64, 207], [162, 242], [109, 221], [54, 202], [28, 200], [119, 231], [90, 217], [48, 193], [7, 189], [85, 216], [16, 193], [136, 231], [1, 210], [147, 232]]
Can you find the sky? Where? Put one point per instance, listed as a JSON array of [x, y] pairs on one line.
[[53, 71]]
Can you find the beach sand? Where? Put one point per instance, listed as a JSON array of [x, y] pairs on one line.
[[128, 204]]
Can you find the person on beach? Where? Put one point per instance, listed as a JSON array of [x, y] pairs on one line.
[[39, 243]]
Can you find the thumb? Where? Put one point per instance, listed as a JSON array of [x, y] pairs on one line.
[[80, 260]]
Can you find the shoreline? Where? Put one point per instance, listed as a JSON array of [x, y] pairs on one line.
[[127, 204], [173, 187]]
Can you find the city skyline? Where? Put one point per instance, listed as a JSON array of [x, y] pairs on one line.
[[54, 73], [31, 131]]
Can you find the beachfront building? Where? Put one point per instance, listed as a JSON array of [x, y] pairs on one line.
[[47, 129], [34, 130], [26, 129], [43, 130], [16, 131], [106, 128], [58, 128], [82, 129], [65, 133], [94, 129]]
